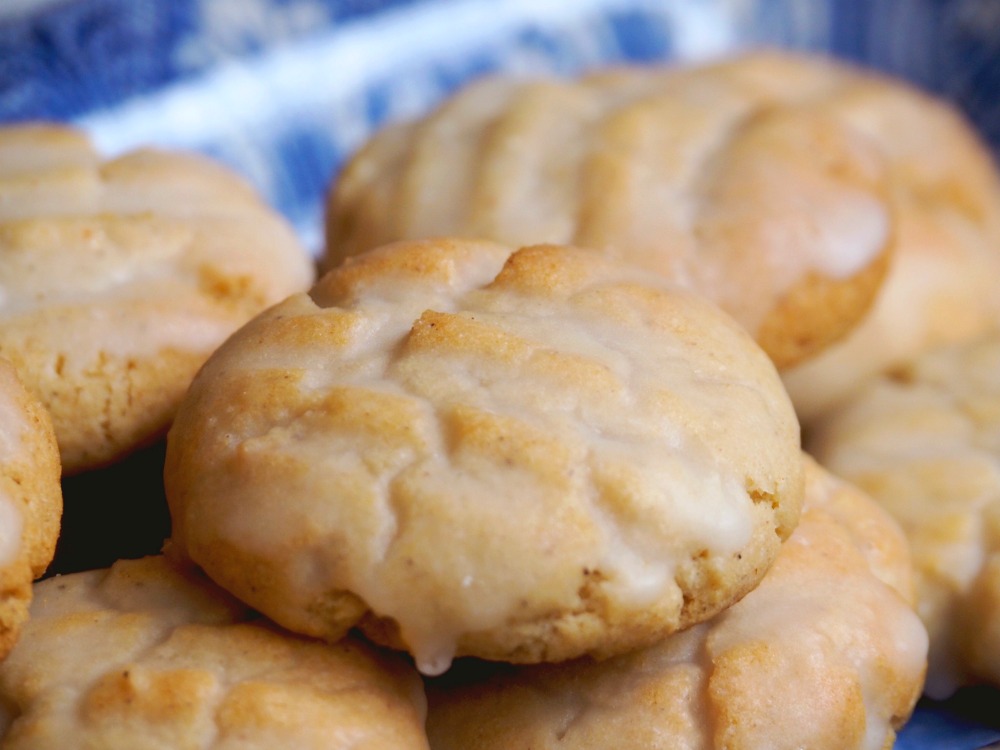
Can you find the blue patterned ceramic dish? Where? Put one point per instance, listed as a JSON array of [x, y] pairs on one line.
[[284, 90]]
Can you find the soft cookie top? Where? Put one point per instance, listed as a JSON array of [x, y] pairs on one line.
[[30, 500], [519, 455], [826, 653], [148, 654], [760, 199], [118, 278], [925, 442]]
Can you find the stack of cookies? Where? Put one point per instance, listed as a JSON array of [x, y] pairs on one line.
[[524, 467]]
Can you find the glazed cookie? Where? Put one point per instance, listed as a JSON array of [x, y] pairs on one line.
[[940, 287], [30, 500], [925, 442], [521, 456], [826, 653], [781, 186], [772, 208], [119, 277], [147, 654]]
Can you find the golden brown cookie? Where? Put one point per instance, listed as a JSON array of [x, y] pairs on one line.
[[149, 655], [466, 450], [30, 500], [944, 192], [119, 278], [826, 653], [757, 197], [925, 442]]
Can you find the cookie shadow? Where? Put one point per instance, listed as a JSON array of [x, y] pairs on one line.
[[113, 513]]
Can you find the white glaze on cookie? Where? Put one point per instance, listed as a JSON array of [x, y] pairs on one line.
[[12, 428], [526, 455], [925, 442], [11, 529], [826, 653], [118, 278], [30, 500], [146, 652], [746, 194]]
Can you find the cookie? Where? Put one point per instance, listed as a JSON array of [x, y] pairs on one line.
[[754, 196], [825, 653], [945, 200], [925, 442], [462, 449], [30, 500], [120, 277], [148, 654]]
